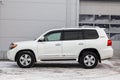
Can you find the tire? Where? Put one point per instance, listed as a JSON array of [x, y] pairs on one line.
[[88, 60], [25, 59]]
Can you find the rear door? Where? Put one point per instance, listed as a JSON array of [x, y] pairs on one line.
[[72, 43]]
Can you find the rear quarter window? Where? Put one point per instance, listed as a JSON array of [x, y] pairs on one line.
[[90, 34]]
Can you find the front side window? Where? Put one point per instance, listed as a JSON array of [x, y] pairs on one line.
[[53, 36]]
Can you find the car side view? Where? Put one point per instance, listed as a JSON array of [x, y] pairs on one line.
[[88, 46]]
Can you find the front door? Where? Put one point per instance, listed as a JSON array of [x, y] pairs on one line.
[[51, 47]]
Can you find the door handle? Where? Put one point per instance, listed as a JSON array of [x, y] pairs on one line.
[[58, 44], [81, 44]]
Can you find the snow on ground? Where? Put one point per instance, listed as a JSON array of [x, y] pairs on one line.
[[108, 70]]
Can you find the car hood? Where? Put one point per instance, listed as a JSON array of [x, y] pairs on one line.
[[25, 42]]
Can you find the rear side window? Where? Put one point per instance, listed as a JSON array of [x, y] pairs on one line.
[[72, 35], [90, 34]]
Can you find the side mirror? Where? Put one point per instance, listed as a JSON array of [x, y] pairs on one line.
[[41, 39]]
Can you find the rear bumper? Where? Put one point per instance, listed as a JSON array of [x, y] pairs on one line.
[[107, 53]]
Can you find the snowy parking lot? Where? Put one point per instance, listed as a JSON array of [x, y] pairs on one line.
[[108, 70]]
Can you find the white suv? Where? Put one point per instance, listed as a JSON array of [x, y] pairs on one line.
[[88, 46]]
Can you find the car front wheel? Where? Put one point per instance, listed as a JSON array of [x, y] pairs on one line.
[[25, 59]]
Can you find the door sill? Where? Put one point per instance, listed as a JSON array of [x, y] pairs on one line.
[[58, 60]]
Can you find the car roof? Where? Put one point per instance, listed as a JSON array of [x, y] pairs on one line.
[[76, 28]]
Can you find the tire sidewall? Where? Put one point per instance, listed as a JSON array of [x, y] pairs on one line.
[[88, 53], [28, 53]]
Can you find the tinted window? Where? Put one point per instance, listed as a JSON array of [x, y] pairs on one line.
[[53, 36], [80, 34], [72, 35], [90, 34]]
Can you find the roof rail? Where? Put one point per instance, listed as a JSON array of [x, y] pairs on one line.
[[86, 26]]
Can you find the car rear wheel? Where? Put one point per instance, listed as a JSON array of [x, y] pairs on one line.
[[89, 60], [25, 59]]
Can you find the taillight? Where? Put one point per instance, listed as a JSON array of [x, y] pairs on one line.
[[109, 43]]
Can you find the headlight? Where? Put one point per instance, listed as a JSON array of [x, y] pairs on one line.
[[12, 46]]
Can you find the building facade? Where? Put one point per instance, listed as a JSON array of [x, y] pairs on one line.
[[105, 14], [22, 20]]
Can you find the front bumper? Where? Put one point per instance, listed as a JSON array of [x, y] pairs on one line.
[[11, 55]]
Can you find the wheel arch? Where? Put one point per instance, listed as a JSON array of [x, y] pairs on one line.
[[25, 50], [92, 50]]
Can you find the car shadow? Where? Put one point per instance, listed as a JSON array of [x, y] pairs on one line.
[[64, 65], [59, 65]]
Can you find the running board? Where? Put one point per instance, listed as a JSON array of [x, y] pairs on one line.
[[59, 60]]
